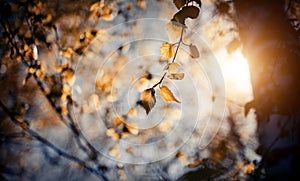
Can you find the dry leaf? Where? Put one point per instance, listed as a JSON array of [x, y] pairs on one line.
[[172, 67], [114, 151], [166, 51], [117, 121], [177, 76], [164, 126], [167, 95], [194, 53], [174, 30], [179, 3], [249, 168], [183, 158], [186, 12], [131, 112], [141, 4], [132, 129], [112, 133], [147, 99]]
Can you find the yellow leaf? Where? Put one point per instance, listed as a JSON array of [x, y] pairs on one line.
[[164, 126], [178, 76], [174, 31], [141, 4], [172, 67], [166, 51], [249, 168], [147, 99], [112, 133], [132, 129], [115, 152], [131, 112], [117, 121], [194, 53], [167, 95]]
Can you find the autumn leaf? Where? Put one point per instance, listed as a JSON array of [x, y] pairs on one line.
[[167, 95], [186, 12], [147, 100], [194, 53], [112, 133], [114, 151], [166, 51], [174, 30], [132, 129], [179, 3], [172, 67], [249, 168], [177, 76]]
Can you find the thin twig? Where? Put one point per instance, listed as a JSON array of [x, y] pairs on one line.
[[173, 60], [50, 145]]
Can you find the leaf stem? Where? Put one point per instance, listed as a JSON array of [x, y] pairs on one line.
[[173, 60], [160, 81], [180, 40]]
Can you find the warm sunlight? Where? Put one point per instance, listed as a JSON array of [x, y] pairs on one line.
[[237, 77]]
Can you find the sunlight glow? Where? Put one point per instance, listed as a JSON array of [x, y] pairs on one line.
[[237, 76]]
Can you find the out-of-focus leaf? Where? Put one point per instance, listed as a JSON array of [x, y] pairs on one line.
[[179, 3], [194, 53], [167, 95], [174, 30], [164, 126], [233, 45], [249, 168], [186, 12], [172, 67], [142, 4], [166, 51], [147, 99], [112, 133], [132, 129], [131, 112], [114, 151], [177, 76]]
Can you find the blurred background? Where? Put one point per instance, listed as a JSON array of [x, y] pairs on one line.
[[72, 73]]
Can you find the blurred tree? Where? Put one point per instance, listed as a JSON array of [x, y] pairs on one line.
[[270, 36]]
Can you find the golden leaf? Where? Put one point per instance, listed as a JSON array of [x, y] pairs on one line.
[[114, 151], [179, 3], [172, 67], [177, 76], [167, 95], [141, 4], [112, 133], [194, 53], [249, 168], [164, 126], [131, 112], [118, 120], [132, 129], [174, 30], [186, 12], [166, 51], [147, 99]]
